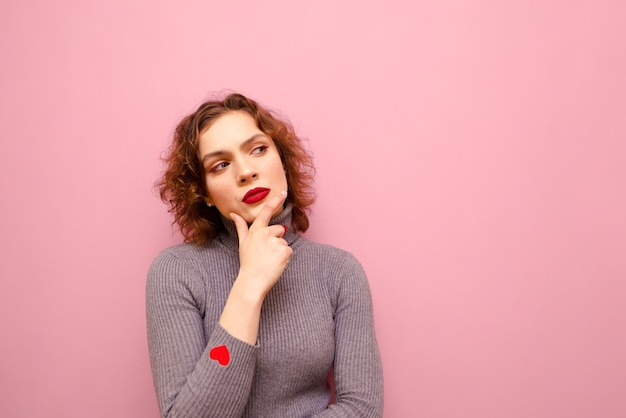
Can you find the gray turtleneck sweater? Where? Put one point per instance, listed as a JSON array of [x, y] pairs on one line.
[[318, 316]]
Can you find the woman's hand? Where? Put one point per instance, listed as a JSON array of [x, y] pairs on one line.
[[263, 253], [263, 256]]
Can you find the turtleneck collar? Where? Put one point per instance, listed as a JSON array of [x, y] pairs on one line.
[[229, 236]]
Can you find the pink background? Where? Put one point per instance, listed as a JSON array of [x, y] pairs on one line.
[[472, 154]]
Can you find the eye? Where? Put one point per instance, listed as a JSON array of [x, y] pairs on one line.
[[218, 167], [259, 150]]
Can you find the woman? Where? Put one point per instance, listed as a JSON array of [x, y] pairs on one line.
[[247, 317]]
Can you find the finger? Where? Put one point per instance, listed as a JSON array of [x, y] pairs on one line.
[[264, 217], [241, 225], [278, 230]]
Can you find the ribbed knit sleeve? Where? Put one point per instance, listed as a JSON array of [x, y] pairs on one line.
[[188, 382], [357, 366]]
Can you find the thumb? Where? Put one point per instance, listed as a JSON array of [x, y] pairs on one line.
[[241, 225]]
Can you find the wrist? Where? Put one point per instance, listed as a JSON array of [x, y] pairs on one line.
[[248, 291]]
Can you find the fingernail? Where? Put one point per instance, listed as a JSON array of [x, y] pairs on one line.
[[285, 226], [283, 193]]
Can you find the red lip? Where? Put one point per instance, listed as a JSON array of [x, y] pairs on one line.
[[256, 194]]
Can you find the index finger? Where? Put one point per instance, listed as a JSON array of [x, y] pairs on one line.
[[264, 217]]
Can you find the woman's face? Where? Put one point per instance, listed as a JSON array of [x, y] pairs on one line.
[[242, 166]]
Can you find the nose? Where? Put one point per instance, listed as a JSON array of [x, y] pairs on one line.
[[246, 173]]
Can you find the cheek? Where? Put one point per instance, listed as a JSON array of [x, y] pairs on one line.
[[279, 169], [215, 189]]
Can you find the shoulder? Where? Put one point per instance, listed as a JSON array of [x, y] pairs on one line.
[[324, 252], [334, 261], [191, 256], [186, 250], [178, 255], [341, 271], [180, 265]]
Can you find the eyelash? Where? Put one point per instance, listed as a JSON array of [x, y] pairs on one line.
[[223, 164], [217, 167], [260, 148]]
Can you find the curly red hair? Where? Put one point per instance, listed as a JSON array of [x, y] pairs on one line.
[[183, 188]]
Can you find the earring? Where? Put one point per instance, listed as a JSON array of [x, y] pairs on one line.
[[209, 204]]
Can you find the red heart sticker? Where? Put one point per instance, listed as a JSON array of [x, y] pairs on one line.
[[221, 354]]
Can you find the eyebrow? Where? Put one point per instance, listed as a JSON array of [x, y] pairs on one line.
[[244, 144]]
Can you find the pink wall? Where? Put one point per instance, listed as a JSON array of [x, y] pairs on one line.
[[471, 153]]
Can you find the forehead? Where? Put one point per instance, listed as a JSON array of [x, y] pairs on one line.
[[231, 128]]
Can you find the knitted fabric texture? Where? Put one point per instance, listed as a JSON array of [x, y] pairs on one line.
[[318, 316]]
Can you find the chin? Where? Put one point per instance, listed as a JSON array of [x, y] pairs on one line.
[[251, 215]]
